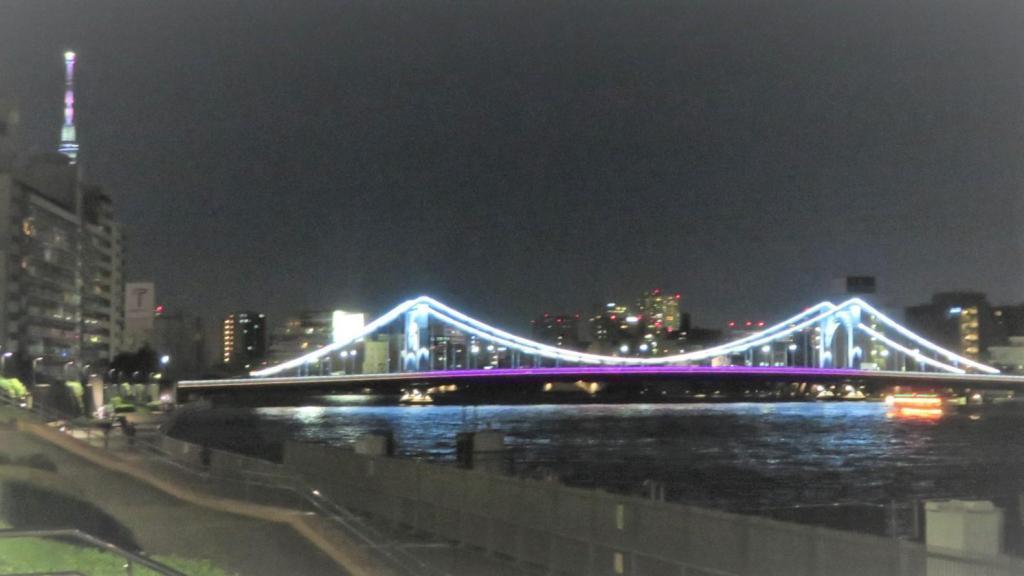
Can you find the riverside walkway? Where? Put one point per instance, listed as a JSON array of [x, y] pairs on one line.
[[163, 524], [172, 511]]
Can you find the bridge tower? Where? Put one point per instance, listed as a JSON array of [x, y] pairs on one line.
[[416, 340], [846, 320]]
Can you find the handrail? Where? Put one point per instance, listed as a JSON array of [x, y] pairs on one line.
[[295, 484], [87, 538], [292, 483]]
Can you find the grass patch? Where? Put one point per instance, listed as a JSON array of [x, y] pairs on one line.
[[27, 555]]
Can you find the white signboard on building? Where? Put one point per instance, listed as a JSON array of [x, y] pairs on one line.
[[139, 299], [139, 305]]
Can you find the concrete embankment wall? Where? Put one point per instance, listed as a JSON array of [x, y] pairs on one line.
[[573, 531]]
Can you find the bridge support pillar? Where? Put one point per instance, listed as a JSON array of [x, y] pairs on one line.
[[845, 320], [416, 340]]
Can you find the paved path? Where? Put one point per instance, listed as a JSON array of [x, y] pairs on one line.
[[165, 525]]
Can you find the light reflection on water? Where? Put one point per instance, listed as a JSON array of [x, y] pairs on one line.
[[737, 456]]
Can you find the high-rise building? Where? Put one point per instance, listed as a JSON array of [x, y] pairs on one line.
[[300, 334], [847, 286], [178, 341], [562, 330], [1009, 321], [244, 339], [1008, 356], [661, 320], [659, 312], [310, 330], [60, 278], [41, 273], [8, 124], [961, 321], [613, 330], [103, 297]]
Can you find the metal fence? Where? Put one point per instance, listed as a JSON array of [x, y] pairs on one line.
[[572, 531]]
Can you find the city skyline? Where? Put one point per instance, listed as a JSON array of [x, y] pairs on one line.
[[422, 287], [274, 188]]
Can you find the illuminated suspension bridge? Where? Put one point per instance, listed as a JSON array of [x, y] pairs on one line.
[[423, 336]]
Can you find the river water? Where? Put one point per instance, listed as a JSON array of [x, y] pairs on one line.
[[743, 457]]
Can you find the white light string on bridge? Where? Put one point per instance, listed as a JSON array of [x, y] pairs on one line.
[[315, 355], [486, 330], [537, 350], [925, 343], [913, 353], [781, 330], [756, 339], [482, 330], [778, 331]]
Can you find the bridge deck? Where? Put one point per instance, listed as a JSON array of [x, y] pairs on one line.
[[980, 381]]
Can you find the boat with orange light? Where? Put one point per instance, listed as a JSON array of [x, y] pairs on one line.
[[921, 405]]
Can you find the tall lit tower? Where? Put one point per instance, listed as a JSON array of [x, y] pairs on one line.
[[68, 139]]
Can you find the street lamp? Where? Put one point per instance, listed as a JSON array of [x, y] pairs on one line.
[[66, 364], [3, 362], [164, 360], [34, 362]]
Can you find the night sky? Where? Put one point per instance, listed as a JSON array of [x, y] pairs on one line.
[[514, 157]]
